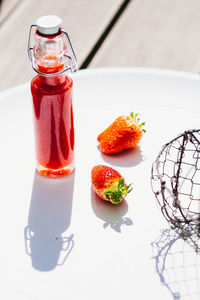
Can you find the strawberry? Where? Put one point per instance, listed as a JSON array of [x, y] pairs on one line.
[[124, 133], [109, 184]]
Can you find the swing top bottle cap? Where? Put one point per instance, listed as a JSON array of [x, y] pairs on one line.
[[49, 24]]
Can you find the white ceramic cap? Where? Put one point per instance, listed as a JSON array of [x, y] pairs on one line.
[[48, 24]]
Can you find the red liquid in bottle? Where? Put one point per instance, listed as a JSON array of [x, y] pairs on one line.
[[53, 119]]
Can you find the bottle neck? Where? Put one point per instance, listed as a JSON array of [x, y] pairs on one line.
[[49, 57], [54, 80], [50, 65]]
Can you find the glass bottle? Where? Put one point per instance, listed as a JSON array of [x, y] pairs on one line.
[[52, 57]]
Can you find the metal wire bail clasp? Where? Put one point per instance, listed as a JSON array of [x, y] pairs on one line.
[[69, 54], [30, 44]]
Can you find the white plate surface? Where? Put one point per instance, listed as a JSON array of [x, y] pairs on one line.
[[58, 239]]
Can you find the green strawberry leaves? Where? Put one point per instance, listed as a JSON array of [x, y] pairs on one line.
[[137, 119], [116, 195]]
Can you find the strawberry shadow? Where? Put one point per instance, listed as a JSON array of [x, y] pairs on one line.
[[112, 215], [126, 158]]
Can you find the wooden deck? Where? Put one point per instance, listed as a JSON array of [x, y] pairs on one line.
[[154, 33], [114, 33]]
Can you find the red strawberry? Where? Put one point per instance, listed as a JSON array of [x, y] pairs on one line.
[[124, 133], [109, 184]]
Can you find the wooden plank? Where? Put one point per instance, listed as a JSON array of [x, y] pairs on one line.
[[84, 20], [6, 8], [154, 33]]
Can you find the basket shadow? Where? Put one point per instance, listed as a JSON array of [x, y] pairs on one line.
[[177, 264]]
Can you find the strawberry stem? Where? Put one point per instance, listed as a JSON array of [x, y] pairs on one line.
[[116, 196], [137, 119]]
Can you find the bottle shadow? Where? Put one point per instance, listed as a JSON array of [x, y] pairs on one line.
[[177, 264], [127, 158], [112, 215], [49, 216]]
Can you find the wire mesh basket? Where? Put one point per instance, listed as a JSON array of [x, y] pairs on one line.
[[176, 184]]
